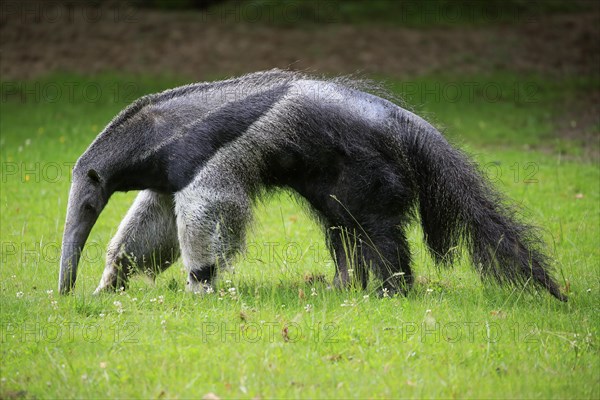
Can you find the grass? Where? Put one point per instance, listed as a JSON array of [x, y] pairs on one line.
[[273, 329]]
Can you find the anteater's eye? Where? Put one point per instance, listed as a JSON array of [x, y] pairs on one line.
[[93, 175], [89, 207]]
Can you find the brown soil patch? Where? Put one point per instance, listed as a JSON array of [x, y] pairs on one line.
[[47, 36]]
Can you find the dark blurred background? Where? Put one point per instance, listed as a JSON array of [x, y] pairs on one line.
[[204, 39]]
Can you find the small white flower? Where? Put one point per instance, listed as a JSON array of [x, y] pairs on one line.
[[386, 292], [50, 292], [134, 299], [119, 306], [20, 294], [210, 290], [161, 299], [366, 297], [349, 303], [27, 142], [429, 290], [232, 293], [308, 308], [313, 292]]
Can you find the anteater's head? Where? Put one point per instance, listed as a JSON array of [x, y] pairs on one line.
[[87, 198]]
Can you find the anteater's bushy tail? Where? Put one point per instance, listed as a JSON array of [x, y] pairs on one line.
[[458, 205]]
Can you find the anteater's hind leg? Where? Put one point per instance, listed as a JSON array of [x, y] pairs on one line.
[[388, 255], [346, 250], [212, 214], [146, 240], [383, 250]]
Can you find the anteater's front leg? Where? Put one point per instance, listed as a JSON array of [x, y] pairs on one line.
[[211, 222], [146, 240]]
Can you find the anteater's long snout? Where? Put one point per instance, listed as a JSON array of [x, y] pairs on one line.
[[84, 207]]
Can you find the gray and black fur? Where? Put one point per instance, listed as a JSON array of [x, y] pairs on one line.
[[202, 154]]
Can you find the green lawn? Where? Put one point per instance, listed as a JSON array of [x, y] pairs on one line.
[[273, 329]]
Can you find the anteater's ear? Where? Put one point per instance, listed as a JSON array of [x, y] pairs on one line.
[[93, 175]]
